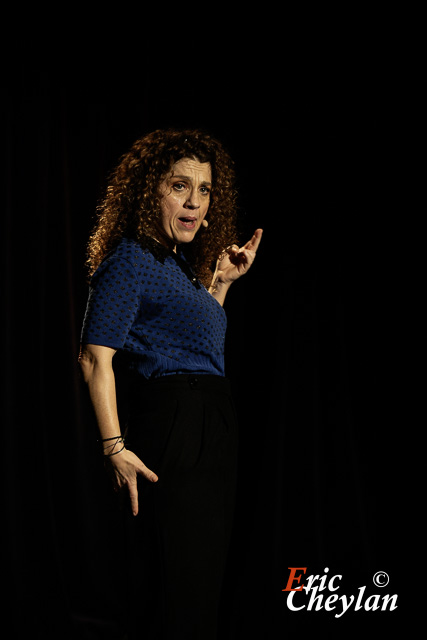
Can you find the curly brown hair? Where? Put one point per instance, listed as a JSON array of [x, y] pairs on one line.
[[132, 201]]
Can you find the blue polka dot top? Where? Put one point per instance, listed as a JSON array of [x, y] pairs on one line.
[[145, 301]]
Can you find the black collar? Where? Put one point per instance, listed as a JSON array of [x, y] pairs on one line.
[[160, 252]]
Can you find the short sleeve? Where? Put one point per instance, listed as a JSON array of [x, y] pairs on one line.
[[113, 304]]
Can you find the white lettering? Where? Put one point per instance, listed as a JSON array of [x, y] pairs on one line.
[[329, 600], [375, 604], [309, 582], [359, 598], [345, 606], [290, 603], [323, 580], [315, 599], [393, 602], [318, 601], [330, 587]]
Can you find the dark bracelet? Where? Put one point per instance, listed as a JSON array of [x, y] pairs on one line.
[[108, 455], [110, 447]]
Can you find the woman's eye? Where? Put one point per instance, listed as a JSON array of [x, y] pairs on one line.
[[181, 186]]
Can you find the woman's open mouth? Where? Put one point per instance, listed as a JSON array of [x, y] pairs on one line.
[[189, 222]]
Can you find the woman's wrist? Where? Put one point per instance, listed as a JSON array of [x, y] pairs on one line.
[[113, 445], [218, 290]]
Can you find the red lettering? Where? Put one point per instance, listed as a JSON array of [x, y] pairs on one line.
[[292, 578]]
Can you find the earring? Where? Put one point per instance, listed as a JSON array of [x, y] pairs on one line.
[[205, 223]]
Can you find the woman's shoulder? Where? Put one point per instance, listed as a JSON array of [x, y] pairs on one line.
[[127, 255], [134, 255], [129, 250]]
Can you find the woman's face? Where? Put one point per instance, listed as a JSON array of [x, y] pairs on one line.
[[185, 200]]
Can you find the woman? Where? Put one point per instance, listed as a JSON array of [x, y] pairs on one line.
[[161, 261]]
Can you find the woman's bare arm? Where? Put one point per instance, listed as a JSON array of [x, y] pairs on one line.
[[96, 363]]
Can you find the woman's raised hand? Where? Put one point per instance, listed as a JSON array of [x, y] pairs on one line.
[[236, 261]]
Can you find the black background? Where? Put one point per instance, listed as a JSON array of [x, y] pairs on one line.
[[317, 331]]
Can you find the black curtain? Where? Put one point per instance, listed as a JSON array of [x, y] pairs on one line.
[[314, 345]]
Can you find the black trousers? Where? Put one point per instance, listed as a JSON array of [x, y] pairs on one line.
[[184, 428]]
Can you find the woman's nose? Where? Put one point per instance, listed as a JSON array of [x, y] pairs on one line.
[[193, 201]]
